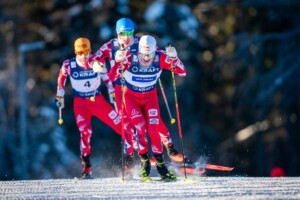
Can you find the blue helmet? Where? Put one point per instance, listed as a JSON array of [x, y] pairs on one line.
[[124, 24]]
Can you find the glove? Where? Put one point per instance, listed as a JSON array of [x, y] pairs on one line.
[[171, 52], [97, 67], [60, 102], [120, 55], [112, 98]]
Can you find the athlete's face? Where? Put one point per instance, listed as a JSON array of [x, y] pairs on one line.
[[125, 38], [83, 56], [146, 59]]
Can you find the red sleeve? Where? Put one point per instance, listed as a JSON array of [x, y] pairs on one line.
[[62, 78], [103, 52], [114, 72], [167, 63]]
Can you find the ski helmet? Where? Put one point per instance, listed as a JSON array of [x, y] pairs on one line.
[[147, 44], [124, 24], [82, 44]]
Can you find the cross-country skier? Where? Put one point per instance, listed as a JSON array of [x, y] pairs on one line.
[[86, 84], [125, 31], [141, 71]]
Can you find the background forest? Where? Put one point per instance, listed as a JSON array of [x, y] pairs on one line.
[[239, 103]]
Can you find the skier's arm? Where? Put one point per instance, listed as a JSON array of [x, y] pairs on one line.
[[116, 68], [103, 52], [173, 64], [61, 82]]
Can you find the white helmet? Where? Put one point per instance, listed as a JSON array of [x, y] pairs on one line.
[[147, 44]]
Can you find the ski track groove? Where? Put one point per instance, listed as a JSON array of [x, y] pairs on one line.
[[115, 188]]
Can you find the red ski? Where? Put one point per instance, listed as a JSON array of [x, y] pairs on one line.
[[202, 171], [218, 167], [193, 169]]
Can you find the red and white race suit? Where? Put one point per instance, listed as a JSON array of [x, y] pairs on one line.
[[141, 99], [108, 50], [85, 83]]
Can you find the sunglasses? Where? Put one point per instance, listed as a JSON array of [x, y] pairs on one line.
[[126, 33], [85, 52]]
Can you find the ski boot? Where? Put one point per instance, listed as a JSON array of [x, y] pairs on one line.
[[174, 155], [145, 168], [162, 170], [86, 167], [129, 167], [177, 157]]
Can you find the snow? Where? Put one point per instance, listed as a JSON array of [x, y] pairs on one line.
[[115, 188]]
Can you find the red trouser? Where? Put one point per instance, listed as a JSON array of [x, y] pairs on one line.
[[128, 127], [143, 109], [162, 129], [84, 109]]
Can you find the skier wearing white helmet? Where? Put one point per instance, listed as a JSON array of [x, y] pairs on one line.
[[141, 72], [113, 51]]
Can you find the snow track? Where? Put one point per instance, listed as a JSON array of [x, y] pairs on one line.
[[115, 188]]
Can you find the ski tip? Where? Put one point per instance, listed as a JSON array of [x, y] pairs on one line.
[[217, 167]]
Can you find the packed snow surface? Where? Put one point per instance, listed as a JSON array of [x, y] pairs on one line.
[[192, 188]]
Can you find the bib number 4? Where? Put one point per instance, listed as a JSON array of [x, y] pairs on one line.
[[87, 84]]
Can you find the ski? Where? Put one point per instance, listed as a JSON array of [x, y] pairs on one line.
[[218, 167], [193, 168]]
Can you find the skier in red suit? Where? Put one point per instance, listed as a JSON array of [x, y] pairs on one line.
[[86, 84], [125, 30], [141, 71]]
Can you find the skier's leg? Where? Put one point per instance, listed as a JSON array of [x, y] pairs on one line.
[[83, 121], [164, 133], [165, 136], [162, 170], [152, 113], [106, 113], [129, 134], [128, 126], [138, 120]]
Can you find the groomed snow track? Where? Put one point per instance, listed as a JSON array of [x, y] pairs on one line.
[[115, 188]]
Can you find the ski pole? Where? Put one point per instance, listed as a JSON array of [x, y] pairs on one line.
[[122, 123], [92, 98], [60, 120], [166, 101], [122, 119], [177, 113]]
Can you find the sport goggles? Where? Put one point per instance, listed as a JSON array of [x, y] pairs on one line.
[[85, 52], [126, 33]]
